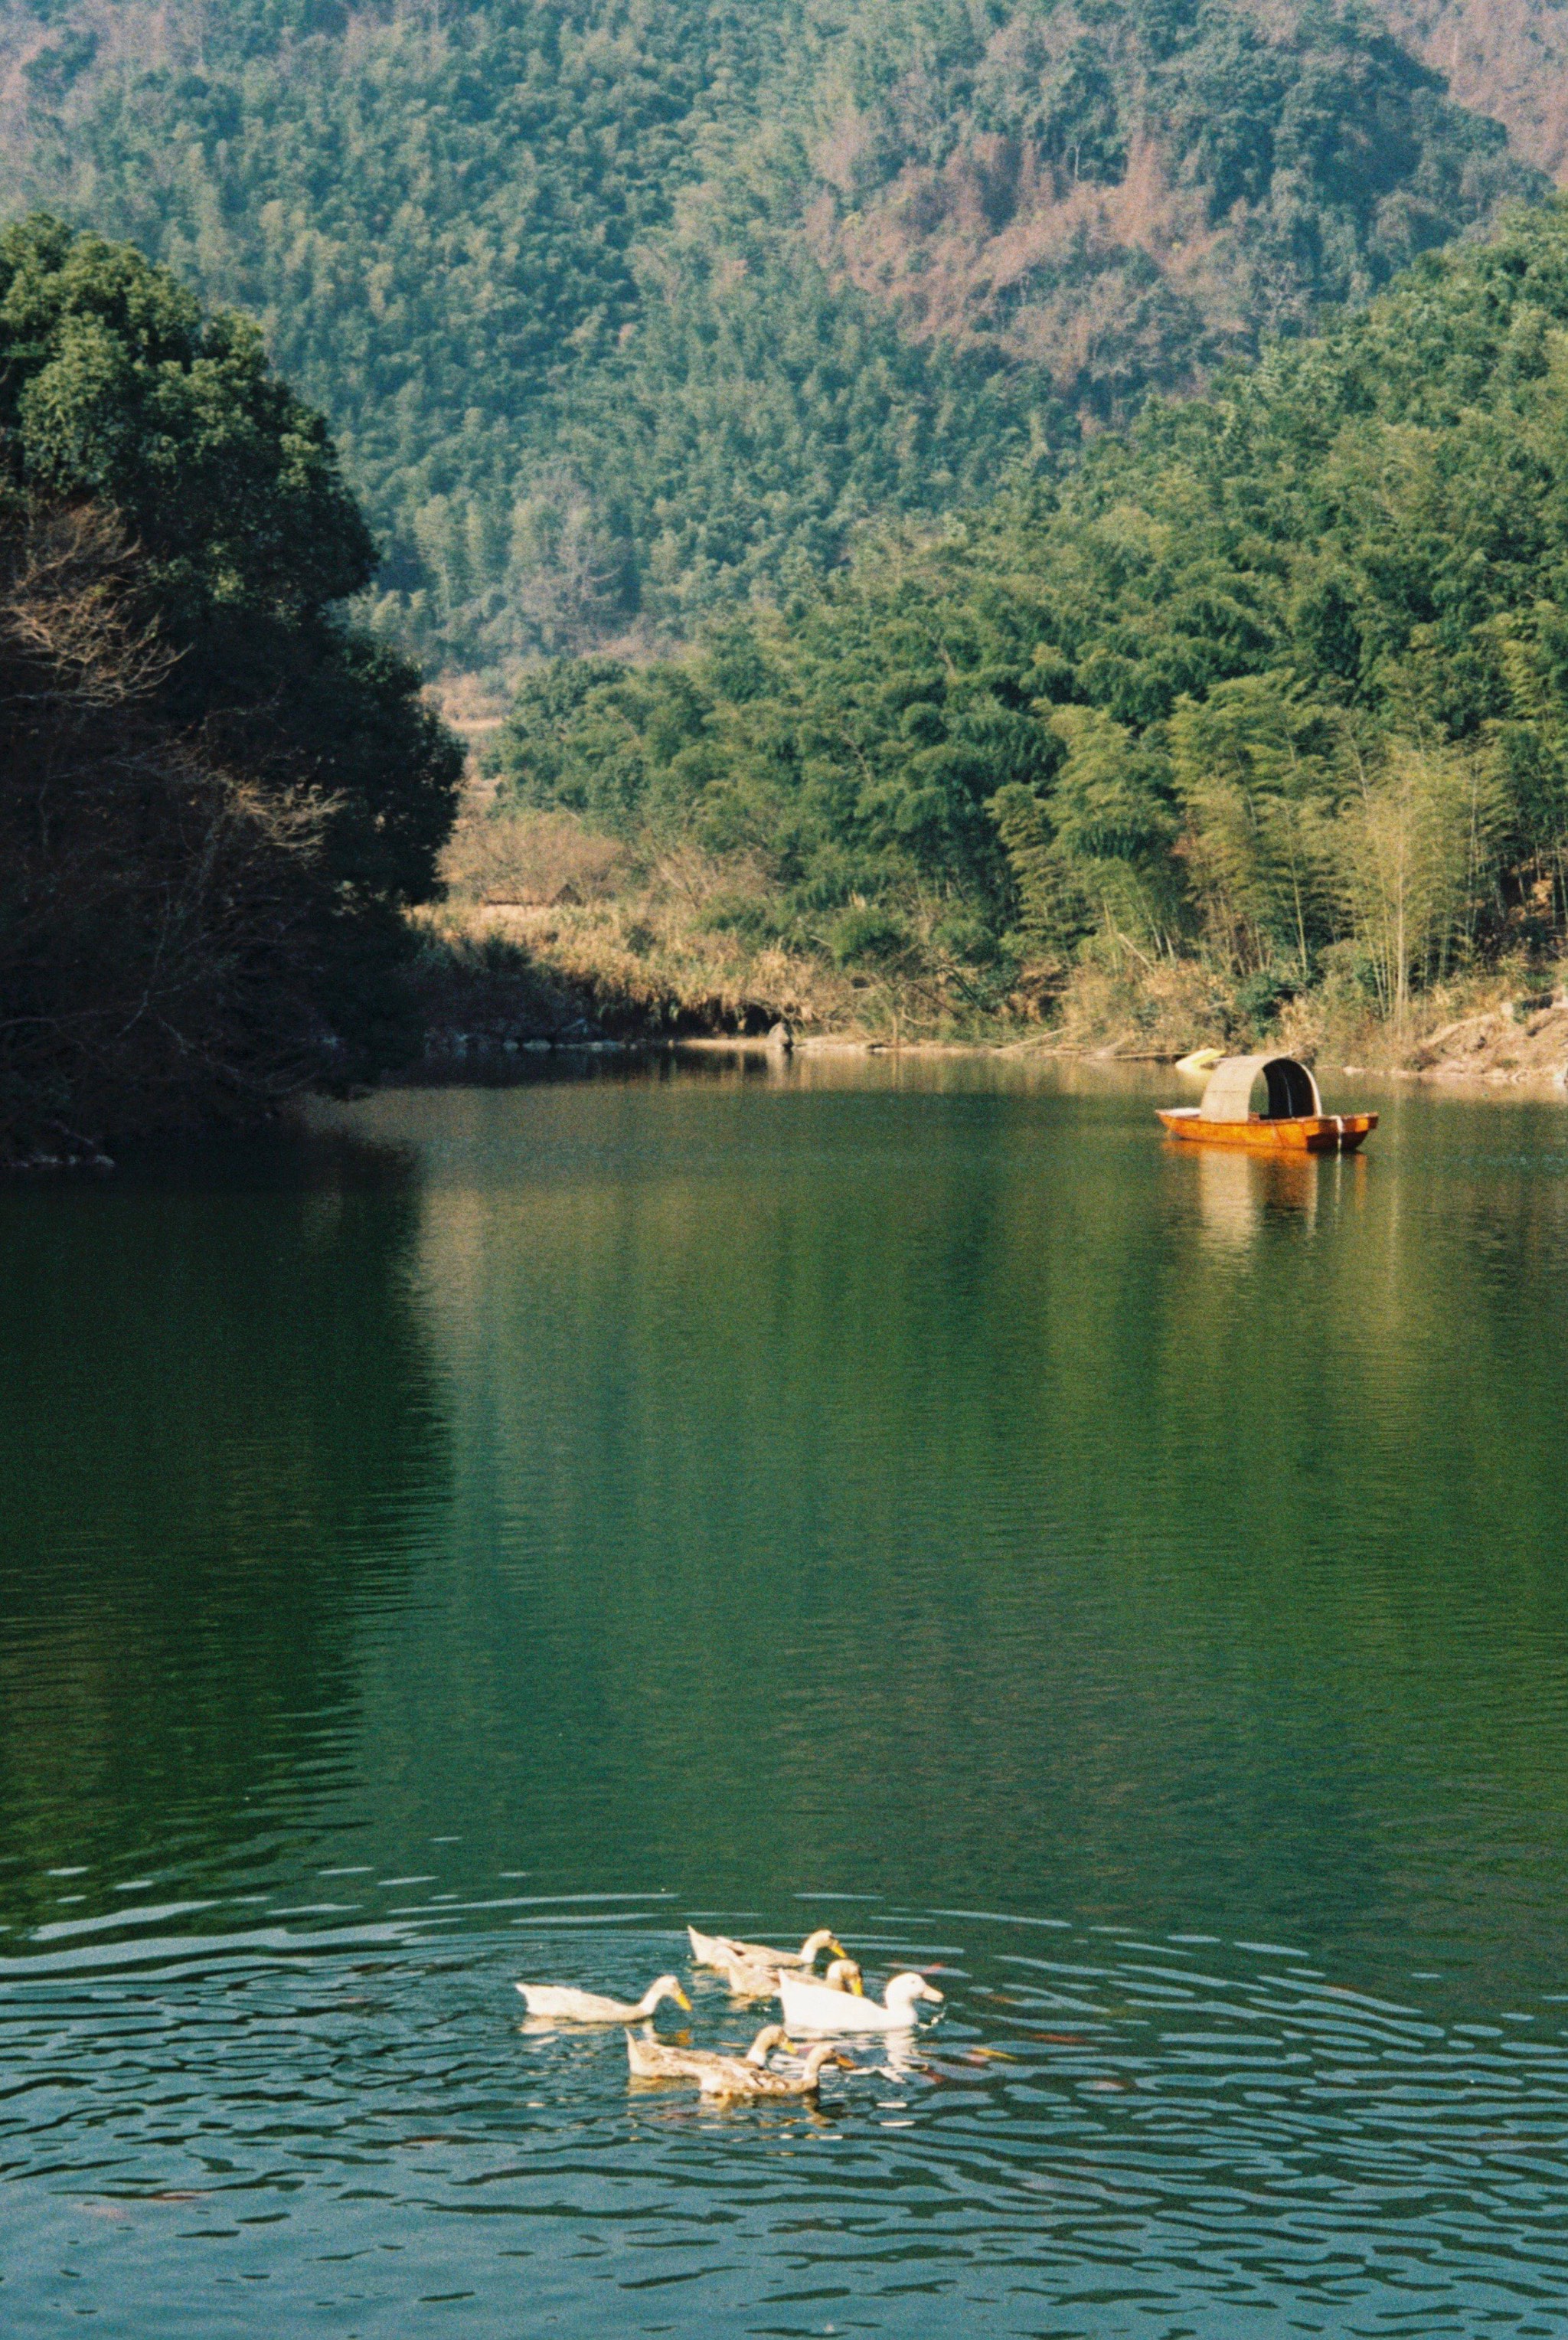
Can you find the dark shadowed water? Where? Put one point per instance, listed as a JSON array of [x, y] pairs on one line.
[[1131, 1586]]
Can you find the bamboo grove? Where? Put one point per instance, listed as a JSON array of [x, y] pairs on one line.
[[1275, 683]]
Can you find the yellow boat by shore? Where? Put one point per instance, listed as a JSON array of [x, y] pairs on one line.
[[1294, 1121]]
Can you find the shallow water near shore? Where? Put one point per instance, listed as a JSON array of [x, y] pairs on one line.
[[468, 1541]]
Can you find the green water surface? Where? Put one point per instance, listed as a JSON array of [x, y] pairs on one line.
[[467, 1541]]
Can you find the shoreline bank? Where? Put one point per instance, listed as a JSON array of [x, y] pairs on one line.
[[1479, 1052]]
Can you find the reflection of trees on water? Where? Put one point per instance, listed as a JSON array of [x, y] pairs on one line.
[[216, 1417], [916, 1481]]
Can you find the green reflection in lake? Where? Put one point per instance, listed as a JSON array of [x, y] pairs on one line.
[[217, 1436], [916, 1486]]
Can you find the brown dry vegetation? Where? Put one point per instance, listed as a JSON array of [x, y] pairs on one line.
[[469, 706], [635, 953], [1000, 246], [1507, 58], [628, 945], [635, 969], [1508, 1025], [1114, 274], [1522, 1039], [549, 927], [545, 860], [642, 967]]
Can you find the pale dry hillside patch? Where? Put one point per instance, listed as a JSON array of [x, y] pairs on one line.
[[967, 252], [528, 860], [1507, 58], [664, 937], [643, 967], [1522, 1039], [1160, 1009], [467, 706], [670, 939], [1505, 1026], [1057, 201]]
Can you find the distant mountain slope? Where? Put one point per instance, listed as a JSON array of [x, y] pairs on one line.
[[1507, 58], [620, 311], [1125, 194]]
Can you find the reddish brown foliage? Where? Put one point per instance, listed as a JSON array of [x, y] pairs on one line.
[[1507, 58]]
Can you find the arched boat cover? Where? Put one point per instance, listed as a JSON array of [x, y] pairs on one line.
[[1228, 1097]]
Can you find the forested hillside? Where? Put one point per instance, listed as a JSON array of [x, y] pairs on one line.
[[623, 311], [1262, 710]]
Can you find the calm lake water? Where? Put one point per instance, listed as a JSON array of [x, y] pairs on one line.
[[1130, 1585]]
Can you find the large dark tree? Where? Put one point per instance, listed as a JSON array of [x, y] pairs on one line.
[[114, 385], [217, 799]]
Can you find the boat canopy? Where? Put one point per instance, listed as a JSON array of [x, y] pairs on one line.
[[1291, 1091]]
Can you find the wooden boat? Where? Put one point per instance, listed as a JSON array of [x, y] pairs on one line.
[[1293, 1123]]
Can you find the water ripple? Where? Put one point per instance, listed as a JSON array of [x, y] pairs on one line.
[[1109, 2141]]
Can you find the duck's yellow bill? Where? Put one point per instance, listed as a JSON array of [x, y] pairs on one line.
[[857, 1986], [681, 2000]]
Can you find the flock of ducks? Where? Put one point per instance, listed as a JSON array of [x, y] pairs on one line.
[[834, 2001]]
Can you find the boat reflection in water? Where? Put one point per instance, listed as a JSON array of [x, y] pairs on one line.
[[1238, 1193]]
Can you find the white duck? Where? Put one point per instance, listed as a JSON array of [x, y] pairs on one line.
[[842, 1975], [737, 2079], [811, 2006], [753, 1962], [565, 2005], [762, 1982], [655, 2059]]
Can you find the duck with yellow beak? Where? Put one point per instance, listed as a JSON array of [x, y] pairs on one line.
[[810, 2005], [562, 2005], [754, 1962]]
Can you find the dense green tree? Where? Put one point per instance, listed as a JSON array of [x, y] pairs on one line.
[[217, 798], [114, 385]]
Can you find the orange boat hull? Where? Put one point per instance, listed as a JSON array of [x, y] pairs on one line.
[[1307, 1133]]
